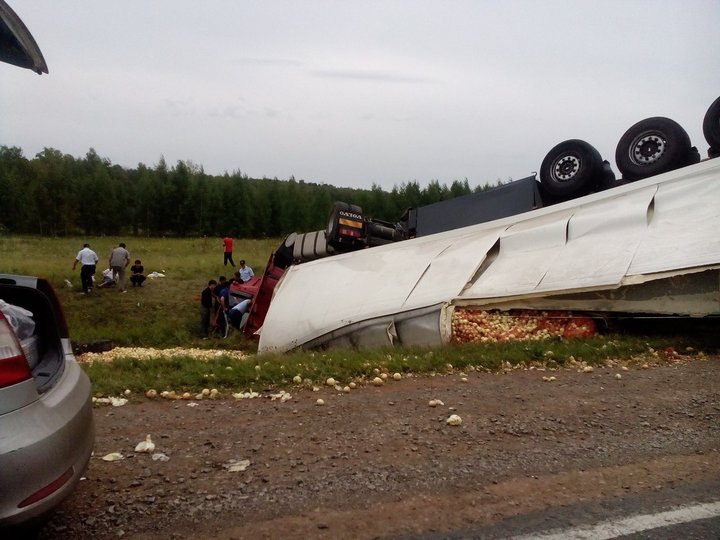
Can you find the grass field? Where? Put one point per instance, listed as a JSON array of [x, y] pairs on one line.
[[229, 375], [164, 312]]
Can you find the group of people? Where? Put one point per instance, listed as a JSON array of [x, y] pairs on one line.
[[219, 309], [118, 261], [245, 271]]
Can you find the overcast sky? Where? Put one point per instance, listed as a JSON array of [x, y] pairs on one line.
[[355, 93]]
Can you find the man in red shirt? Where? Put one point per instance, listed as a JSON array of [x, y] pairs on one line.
[[227, 243]]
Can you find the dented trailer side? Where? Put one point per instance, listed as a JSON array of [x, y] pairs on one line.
[[650, 246]]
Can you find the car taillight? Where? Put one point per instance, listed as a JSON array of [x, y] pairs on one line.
[[14, 367]]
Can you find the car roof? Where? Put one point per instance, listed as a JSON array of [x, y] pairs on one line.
[[17, 46]]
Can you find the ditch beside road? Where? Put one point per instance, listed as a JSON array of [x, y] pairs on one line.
[[381, 462]]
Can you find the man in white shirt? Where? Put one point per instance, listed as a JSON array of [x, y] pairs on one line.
[[87, 259], [245, 272], [237, 313]]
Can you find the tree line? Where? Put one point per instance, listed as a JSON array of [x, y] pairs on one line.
[[55, 194]]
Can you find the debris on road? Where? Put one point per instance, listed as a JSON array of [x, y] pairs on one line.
[[145, 446], [453, 420], [237, 465]]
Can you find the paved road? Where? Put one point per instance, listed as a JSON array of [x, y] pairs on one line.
[[685, 512]]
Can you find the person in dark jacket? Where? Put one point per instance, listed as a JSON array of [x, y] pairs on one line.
[[222, 305], [137, 273], [206, 306]]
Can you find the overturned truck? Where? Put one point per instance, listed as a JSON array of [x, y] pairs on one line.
[[577, 242]]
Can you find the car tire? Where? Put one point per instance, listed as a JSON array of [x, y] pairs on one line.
[[652, 146], [571, 169], [711, 126]]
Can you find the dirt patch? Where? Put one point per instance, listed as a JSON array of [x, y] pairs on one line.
[[379, 461]]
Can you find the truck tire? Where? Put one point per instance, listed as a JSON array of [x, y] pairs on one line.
[[653, 146], [607, 177], [711, 127], [571, 169], [693, 156]]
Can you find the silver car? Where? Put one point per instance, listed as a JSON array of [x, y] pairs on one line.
[[46, 421]]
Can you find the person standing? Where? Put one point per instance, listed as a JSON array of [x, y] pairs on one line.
[[227, 257], [88, 260], [245, 271], [206, 304], [118, 261], [222, 304]]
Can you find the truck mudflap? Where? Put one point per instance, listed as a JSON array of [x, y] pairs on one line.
[[646, 247]]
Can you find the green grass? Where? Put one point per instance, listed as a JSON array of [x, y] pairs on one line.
[[275, 371], [164, 313]]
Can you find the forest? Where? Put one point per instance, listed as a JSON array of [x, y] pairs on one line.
[[56, 194]]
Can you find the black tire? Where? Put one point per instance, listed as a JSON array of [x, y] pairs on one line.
[[607, 178], [711, 126], [693, 156], [571, 169], [652, 146]]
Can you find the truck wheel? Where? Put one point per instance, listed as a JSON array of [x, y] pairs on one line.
[[711, 126], [571, 169], [607, 177], [652, 146], [693, 156]]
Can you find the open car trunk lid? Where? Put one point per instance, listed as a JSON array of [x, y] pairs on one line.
[[17, 46]]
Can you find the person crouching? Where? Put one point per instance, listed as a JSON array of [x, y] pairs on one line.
[[137, 274]]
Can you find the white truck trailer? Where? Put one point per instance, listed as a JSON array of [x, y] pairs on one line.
[[647, 246]]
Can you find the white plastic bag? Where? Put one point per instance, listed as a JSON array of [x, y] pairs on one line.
[[19, 318]]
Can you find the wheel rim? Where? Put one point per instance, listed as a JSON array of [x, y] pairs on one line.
[[648, 148], [566, 167]]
